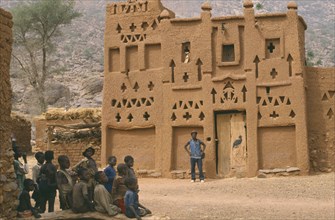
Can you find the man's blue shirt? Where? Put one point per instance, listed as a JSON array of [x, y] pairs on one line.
[[110, 173], [195, 148]]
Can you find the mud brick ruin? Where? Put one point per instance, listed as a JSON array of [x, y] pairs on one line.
[[240, 81], [69, 132], [8, 186], [21, 130]]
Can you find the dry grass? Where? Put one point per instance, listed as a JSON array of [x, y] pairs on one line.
[[22, 119], [93, 114]]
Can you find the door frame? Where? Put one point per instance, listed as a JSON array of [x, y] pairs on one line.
[[223, 112]]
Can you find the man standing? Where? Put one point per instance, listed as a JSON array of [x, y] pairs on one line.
[[196, 154]]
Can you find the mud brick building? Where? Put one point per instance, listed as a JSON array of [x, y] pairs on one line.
[[64, 132], [8, 186], [240, 81]]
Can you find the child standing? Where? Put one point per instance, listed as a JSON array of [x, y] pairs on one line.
[[110, 173], [39, 156], [64, 183], [102, 198], [129, 161], [20, 169], [119, 188], [81, 201], [134, 209], [25, 209], [48, 183]]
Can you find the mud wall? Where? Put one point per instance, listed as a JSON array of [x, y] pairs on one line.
[[237, 79], [21, 129], [8, 186], [321, 118], [66, 141]]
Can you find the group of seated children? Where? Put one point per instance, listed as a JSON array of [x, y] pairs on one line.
[[82, 188]]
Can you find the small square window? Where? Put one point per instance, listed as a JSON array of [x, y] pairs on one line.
[[228, 53], [272, 49]]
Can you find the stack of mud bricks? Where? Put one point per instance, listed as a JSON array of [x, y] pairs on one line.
[[8, 186]]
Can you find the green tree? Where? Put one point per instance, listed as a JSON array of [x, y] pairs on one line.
[[310, 59], [35, 27], [259, 6]]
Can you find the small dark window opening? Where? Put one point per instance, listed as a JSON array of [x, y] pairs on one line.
[[228, 53], [186, 50]]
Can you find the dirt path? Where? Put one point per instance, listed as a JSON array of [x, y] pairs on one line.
[[306, 197], [309, 197]]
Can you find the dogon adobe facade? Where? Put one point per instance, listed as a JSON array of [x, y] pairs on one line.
[[240, 81], [8, 186]]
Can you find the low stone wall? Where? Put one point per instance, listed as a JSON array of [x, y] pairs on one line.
[[8, 186], [290, 171], [321, 118], [68, 141], [21, 129]]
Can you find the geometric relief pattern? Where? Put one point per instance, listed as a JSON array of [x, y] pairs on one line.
[[132, 35], [328, 95], [136, 87], [229, 94], [127, 7], [132, 103], [330, 113], [273, 101], [328, 98], [189, 109], [129, 117], [133, 38], [274, 105]]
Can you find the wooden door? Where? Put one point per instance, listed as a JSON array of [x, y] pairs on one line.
[[238, 144], [231, 144]]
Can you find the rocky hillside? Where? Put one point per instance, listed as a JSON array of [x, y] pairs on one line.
[[79, 56]]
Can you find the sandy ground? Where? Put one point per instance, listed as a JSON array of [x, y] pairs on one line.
[[302, 197], [309, 197]]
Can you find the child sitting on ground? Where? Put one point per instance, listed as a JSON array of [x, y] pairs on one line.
[[119, 188], [129, 161], [25, 209], [64, 183], [134, 209], [88, 163], [110, 173], [81, 201], [102, 198]]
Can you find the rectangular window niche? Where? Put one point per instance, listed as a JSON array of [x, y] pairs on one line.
[[114, 60], [153, 56]]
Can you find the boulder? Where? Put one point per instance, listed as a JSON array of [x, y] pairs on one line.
[[55, 92], [92, 86], [11, 186]]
